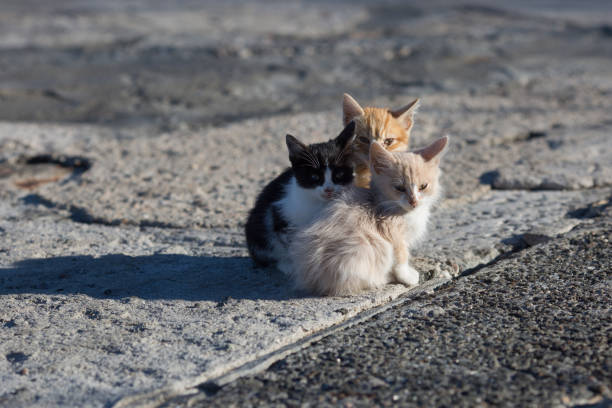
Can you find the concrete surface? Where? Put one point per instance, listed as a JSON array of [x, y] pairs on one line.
[[531, 330], [135, 136]]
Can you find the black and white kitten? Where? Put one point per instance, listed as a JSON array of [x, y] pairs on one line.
[[318, 173]]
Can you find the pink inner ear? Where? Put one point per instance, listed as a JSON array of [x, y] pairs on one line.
[[433, 149], [378, 166]]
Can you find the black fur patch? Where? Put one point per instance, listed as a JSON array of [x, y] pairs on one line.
[[310, 162], [308, 167], [255, 227], [279, 224]]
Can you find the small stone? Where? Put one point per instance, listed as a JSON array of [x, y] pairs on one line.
[[534, 239], [377, 382]]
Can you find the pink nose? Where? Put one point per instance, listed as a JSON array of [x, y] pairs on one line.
[[328, 190]]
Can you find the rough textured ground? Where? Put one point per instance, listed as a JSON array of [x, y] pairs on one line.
[[531, 330], [135, 137]]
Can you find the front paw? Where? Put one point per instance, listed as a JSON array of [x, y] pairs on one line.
[[406, 274]]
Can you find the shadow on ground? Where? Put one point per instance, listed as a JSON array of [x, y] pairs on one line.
[[192, 278]]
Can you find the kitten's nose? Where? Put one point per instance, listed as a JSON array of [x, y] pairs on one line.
[[328, 190], [412, 200], [413, 196]]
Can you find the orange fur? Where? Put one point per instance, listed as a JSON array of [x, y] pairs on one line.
[[390, 128]]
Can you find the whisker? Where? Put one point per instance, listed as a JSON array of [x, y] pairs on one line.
[[342, 153], [316, 159], [309, 158]]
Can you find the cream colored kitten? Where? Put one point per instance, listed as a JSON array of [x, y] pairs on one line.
[[361, 241]]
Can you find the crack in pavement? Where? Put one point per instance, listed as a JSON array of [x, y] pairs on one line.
[[176, 395], [213, 386], [168, 395]]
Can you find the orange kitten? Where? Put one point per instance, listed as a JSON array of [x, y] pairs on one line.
[[390, 128]]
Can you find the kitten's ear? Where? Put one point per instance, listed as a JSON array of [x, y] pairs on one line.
[[433, 152], [346, 137], [380, 158], [350, 109], [405, 114], [295, 147]]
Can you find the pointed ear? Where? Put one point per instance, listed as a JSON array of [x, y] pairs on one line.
[[346, 137], [295, 146], [350, 109], [433, 151], [380, 158], [405, 114]]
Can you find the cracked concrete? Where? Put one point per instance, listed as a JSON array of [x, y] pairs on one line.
[[529, 330], [123, 271]]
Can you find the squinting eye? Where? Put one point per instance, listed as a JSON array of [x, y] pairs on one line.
[[401, 189], [423, 186], [314, 177], [388, 142], [364, 139], [340, 173]]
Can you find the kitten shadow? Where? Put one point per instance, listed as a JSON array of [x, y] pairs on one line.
[[184, 277]]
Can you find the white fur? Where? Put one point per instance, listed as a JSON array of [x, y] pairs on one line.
[[341, 252], [361, 241], [416, 221], [328, 185], [406, 274], [299, 207]]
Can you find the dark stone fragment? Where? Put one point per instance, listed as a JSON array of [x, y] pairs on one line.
[[535, 134], [16, 357]]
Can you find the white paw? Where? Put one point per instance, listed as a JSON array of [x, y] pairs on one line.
[[406, 274]]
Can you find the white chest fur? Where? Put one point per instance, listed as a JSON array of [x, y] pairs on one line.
[[416, 223], [300, 205]]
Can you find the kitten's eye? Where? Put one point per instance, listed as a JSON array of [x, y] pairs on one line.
[[342, 175], [401, 189], [389, 141], [423, 186], [364, 140], [314, 177]]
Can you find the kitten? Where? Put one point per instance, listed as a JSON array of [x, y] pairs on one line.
[[318, 173], [361, 240], [391, 128]]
